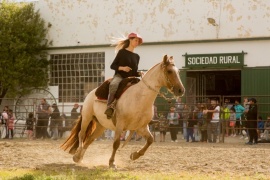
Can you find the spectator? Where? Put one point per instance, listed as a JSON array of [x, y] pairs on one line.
[[244, 118], [179, 107], [43, 112], [239, 109], [2, 127], [232, 121], [226, 116], [10, 122], [108, 134], [260, 126], [267, 129], [197, 115], [74, 113], [203, 124], [5, 119], [173, 123], [212, 128], [61, 128], [184, 117], [162, 127], [55, 121], [252, 121], [30, 126], [190, 127]]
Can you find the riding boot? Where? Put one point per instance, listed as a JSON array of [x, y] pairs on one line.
[[110, 106]]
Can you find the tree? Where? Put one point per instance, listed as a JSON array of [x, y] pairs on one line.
[[23, 44]]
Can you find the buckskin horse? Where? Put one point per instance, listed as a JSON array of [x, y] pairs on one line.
[[133, 112]]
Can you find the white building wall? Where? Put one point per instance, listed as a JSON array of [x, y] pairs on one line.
[[91, 22], [258, 53], [84, 24]]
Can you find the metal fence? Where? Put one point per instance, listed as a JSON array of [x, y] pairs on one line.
[[22, 107]]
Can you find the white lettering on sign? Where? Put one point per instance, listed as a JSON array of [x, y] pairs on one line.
[[228, 60], [202, 60]]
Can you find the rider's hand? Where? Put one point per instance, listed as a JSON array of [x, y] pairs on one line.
[[125, 68]]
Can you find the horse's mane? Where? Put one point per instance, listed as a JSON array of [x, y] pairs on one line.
[[152, 68]]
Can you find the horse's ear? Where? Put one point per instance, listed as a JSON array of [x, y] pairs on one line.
[[171, 59], [166, 60]]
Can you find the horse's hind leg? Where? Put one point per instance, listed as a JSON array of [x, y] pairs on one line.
[[88, 140], [149, 140]]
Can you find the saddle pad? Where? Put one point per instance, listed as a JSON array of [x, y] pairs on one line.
[[102, 91]]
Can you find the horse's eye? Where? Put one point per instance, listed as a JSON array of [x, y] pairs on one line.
[[169, 71]]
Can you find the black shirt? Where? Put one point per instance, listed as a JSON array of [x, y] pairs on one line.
[[126, 58], [252, 116]]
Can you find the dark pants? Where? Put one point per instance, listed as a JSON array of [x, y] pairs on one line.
[[253, 135], [190, 134], [41, 129], [204, 135], [173, 131]]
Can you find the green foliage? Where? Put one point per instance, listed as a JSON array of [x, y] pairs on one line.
[[23, 44]]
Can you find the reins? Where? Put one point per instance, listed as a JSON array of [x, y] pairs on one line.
[[161, 94]]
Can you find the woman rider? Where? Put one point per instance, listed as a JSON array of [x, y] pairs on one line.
[[125, 65]]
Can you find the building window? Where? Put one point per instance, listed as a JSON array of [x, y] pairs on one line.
[[76, 74]]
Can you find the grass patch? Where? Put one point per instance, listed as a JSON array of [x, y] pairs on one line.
[[71, 174]]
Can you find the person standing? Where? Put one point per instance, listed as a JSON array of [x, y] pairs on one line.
[[251, 115], [173, 123], [5, 123], [239, 110], [267, 129], [185, 113], [163, 125], [11, 122], [55, 121], [226, 117], [204, 122], [190, 127], [125, 65], [232, 121], [30, 126], [43, 112], [179, 107], [212, 128]]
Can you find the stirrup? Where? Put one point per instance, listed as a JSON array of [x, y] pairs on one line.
[[109, 112]]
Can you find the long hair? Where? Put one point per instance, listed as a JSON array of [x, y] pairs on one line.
[[120, 43]]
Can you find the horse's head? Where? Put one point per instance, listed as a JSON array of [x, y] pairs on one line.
[[171, 73]]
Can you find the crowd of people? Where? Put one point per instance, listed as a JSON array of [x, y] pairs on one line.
[[47, 124], [205, 121], [202, 122]]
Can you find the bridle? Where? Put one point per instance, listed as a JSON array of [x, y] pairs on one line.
[[163, 66]]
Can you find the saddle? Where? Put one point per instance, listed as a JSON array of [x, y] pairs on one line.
[[102, 91]]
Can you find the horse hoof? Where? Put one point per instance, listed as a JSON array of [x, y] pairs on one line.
[[134, 156], [76, 159], [112, 166]]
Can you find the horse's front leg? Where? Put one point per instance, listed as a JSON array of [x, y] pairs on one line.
[[149, 140], [116, 145]]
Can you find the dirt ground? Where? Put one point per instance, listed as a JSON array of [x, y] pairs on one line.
[[232, 157]]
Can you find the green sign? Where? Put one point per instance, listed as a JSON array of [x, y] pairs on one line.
[[214, 60]]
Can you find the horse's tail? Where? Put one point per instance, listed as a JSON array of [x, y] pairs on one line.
[[72, 142]]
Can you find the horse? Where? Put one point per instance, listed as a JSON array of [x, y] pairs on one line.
[[133, 112]]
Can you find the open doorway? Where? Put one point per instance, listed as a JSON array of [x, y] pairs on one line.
[[215, 82]]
